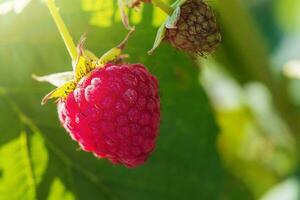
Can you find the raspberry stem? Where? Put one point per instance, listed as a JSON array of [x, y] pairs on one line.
[[125, 40], [163, 6], [63, 30]]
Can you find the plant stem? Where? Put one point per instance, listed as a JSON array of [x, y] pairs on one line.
[[163, 6], [62, 29]]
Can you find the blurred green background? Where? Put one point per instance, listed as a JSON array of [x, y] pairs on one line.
[[230, 122]]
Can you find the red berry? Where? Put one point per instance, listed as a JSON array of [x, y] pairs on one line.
[[114, 112]]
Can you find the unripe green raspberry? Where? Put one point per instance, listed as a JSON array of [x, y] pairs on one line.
[[196, 30]]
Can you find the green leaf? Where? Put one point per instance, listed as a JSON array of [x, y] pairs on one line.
[[23, 162], [58, 191]]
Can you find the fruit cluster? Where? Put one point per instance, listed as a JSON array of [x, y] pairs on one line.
[[112, 108]]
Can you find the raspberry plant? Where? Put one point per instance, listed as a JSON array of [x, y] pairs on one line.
[[61, 172], [38, 160], [110, 108]]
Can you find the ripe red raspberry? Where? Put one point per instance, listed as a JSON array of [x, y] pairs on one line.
[[114, 112]]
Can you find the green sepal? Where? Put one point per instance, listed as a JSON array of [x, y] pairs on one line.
[[159, 38], [85, 62], [90, 55], [56, 79], [174, 17], [82, 67], [114, 54], [124, 16], [178, 3], [110, 56], [172, 20], [61, 92], [170, 23]]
